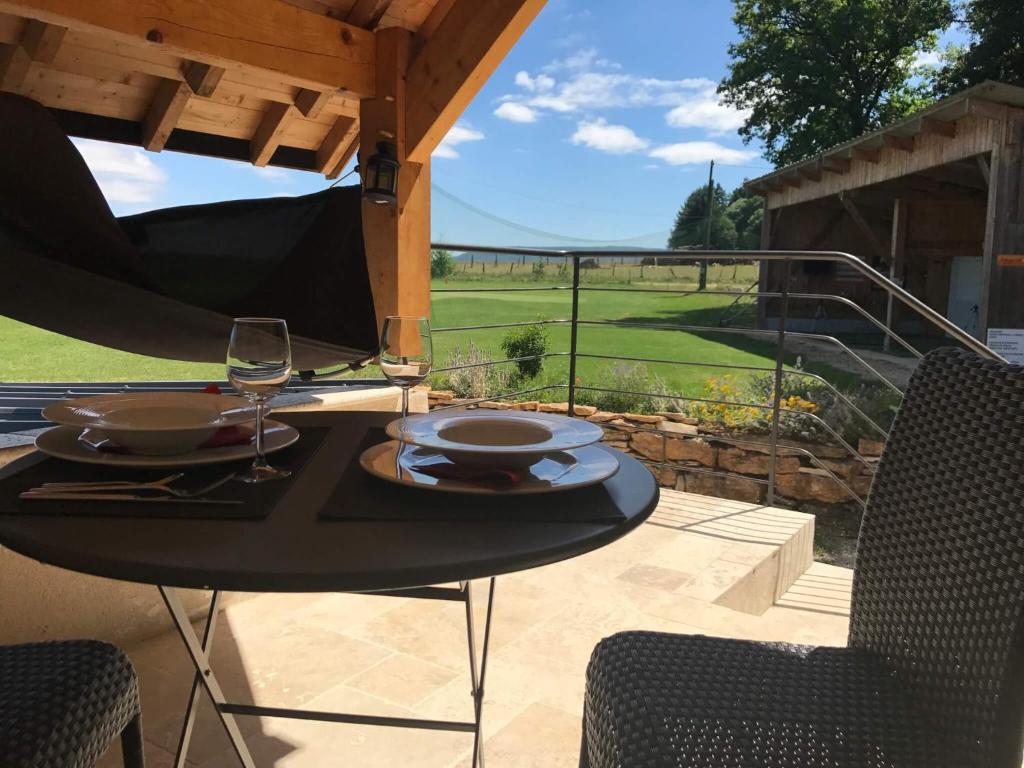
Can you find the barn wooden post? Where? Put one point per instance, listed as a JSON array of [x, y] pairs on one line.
[[897, 254]]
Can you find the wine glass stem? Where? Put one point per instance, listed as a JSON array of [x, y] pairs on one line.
[[260, 460], [405, 405]]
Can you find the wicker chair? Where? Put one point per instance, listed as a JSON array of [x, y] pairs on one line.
[[932, 673], [62, 704]]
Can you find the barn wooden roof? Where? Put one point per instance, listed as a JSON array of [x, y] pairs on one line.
[[276, 82], [952, 132]]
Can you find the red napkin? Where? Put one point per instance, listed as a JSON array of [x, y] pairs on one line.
[[486, 477]]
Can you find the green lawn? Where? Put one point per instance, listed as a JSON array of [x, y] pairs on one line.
[[31, 354]]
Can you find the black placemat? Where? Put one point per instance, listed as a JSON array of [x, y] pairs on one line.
[[258, 500], [361, 496]]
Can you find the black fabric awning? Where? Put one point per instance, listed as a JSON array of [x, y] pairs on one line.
[[168, 283]]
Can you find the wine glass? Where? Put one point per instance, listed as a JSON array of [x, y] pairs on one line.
[[405, 354], [259, 365]]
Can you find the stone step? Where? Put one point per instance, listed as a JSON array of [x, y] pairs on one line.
[[760, 551]]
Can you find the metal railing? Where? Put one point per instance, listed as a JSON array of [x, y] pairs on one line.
[[782, 298]]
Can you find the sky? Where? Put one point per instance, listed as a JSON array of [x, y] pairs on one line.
[[594, 129]]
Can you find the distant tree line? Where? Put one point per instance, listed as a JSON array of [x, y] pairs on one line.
[[735, 220]]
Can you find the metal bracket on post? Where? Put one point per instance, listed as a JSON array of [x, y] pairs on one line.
[[780, 352], [573, 329]]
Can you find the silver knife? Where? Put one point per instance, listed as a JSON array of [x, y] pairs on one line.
[[50, 496]]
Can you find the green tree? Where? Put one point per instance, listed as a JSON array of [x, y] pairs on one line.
[[442, 264], [814, 73], [995, 50], [745, 211], [691, 221]]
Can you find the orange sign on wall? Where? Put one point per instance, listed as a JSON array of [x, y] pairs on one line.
[[1010, 259]]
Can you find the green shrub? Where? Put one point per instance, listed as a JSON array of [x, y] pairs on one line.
[[630, 378], [478, 382], [537, 271], [442, 264], [529, 341]]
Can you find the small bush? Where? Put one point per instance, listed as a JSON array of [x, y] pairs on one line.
[[629, 378], [529, 341], [537, 271], [442, 264], [478, 382]]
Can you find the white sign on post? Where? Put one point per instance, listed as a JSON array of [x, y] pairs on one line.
[[1007, 342]]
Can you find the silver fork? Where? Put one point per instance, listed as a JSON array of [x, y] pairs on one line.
[[156, 485]]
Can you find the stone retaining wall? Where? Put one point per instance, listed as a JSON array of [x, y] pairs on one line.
[[701, 459]]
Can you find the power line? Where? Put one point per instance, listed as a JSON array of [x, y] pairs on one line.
[[538, 232]]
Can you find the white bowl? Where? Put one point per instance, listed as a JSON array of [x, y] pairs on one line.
[[509, 440], [153, 423]]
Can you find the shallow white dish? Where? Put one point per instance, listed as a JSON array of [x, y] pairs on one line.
[[154, 423], [508, 439], [558, 471], [63, 443]]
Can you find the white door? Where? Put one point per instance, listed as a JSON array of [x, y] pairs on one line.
[[965, 293]]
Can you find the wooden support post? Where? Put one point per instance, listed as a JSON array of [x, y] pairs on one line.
[[203, 79], [271, 130], [396, 237], [897, 255], [168, 104], [1003, 283], [14, 64], [983, 167]]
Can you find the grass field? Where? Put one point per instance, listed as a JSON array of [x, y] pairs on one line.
[[31, 354]]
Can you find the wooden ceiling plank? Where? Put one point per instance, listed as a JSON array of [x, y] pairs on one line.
[[932, 127], [264, 34], [312, 103], [343, 136], [367, 13], [42, 41], [202, 78], [14, 65], [456, 61], [902, 143], [271, 130], [162, 116]]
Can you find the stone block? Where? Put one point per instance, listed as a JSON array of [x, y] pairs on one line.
[[847, 469], [642, 418], [811, 484], [665, 476], [869, 447], [441, 395], [599, 417], [699, 482], [746, 462], [742, 489], [553, 407], [529, 405], [585, 410], [495, 406], [649, 444], [677, 427], [622, 425], [694, 449], [677, 417]]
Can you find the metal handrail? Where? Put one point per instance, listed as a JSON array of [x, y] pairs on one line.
[[786, 258]]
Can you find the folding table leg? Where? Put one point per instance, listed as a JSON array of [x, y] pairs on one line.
[[477, 678], [193, 698], [205, 674]]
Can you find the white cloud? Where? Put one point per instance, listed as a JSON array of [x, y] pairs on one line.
[[539, 83], [516, 112], [271, 173], [125, 174], [457, 134], [707, 112], [689, 152], [616, 139], [926, 59]]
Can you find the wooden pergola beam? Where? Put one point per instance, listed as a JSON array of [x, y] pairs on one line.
[[456, 61], [902, 143], [42, 41], [203, 79], [338, 146], [311, 103], [367, 13], [270, 35], [14, 64], [169, 102], [270, 132]]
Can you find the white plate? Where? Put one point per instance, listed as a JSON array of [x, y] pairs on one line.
[[509, 439], [153, 423], [555, 472], [63, 443]]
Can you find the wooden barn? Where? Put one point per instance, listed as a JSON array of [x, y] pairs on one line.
[[935, 200]]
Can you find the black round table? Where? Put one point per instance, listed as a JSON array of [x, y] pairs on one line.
[[294, 549]]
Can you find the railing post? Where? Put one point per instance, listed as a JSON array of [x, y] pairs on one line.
[[780, 351], [573, 328]]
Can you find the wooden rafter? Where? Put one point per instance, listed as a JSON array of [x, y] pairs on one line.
[[902, 143], [14, 65], [265, 34], [311, 103], [168, 104], [454, 63], [811, 171], [203, 79], [367, 13], [836, 164], [429, 26], [270, 132], [851, 208], [42, 41], [338, 146], [983, 166], [932, 127], [866, 155]]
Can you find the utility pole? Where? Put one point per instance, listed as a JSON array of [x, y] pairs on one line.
[[709, 211]]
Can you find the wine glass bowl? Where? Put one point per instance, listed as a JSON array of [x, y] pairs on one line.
[[406, 353], [259, 365]]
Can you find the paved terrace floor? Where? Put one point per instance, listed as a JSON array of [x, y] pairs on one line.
[[405, 657]]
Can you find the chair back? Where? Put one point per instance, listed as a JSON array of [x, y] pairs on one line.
[[939, 581]]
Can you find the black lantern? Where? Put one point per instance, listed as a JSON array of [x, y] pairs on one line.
[[380, 176]]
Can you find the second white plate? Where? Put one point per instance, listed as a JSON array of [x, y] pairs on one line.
[[63, 443]]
